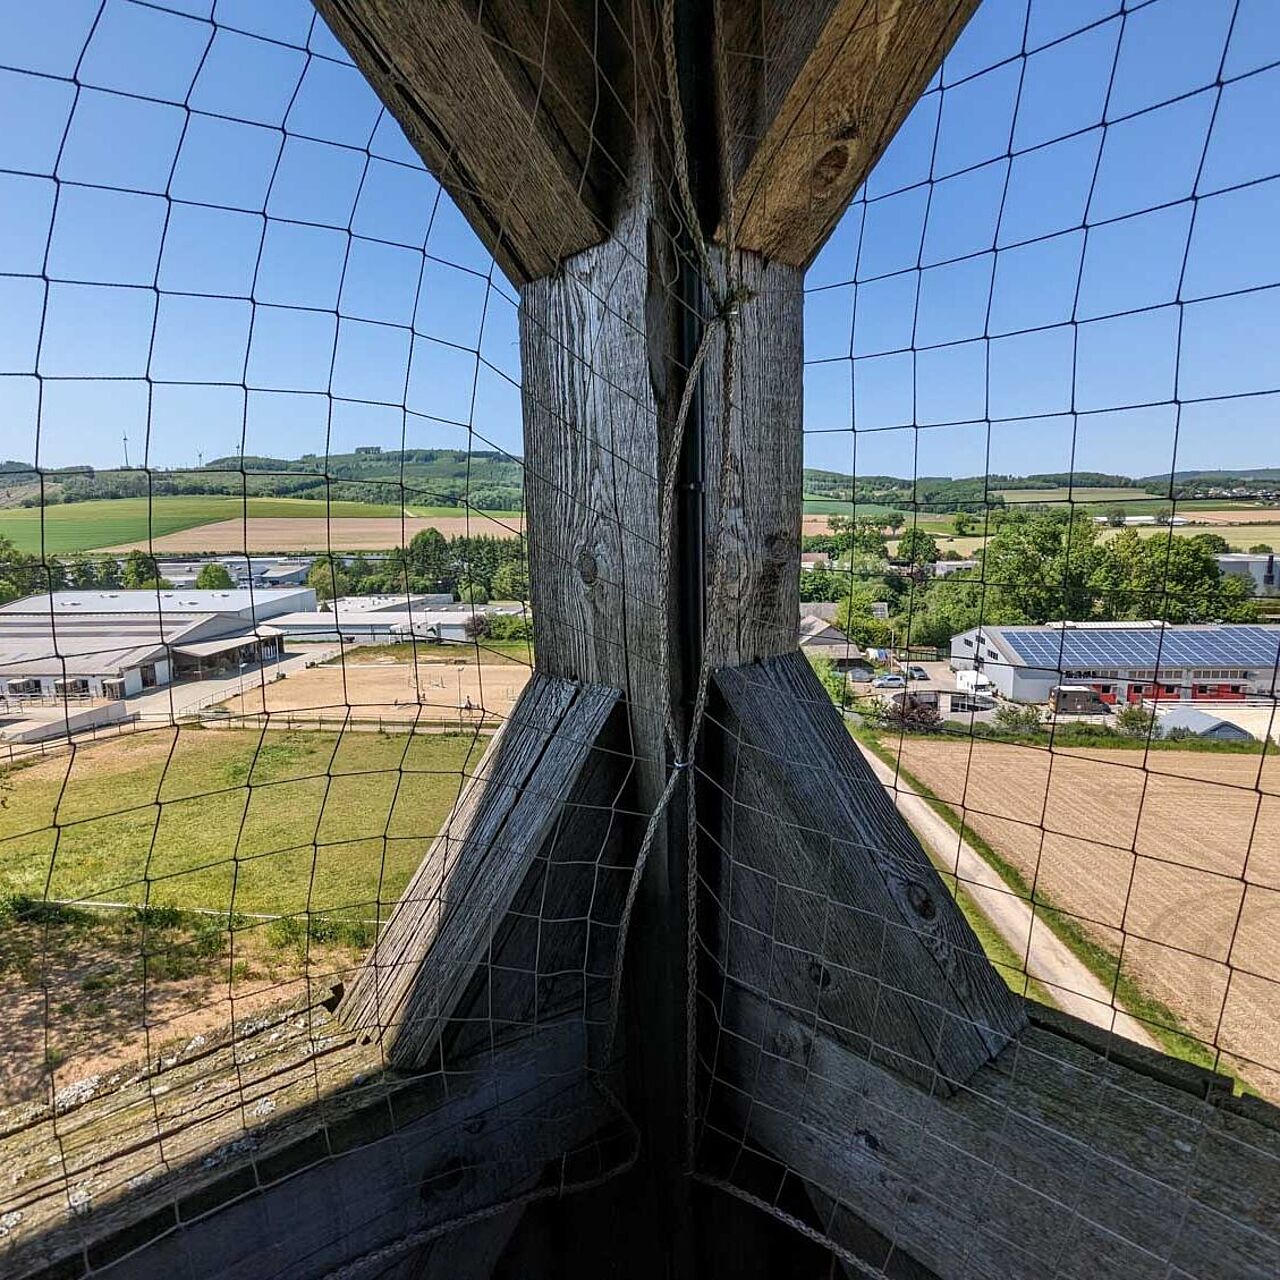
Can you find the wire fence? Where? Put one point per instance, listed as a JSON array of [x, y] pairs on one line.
[[1041, 514]]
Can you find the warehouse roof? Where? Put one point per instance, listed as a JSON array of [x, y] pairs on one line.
[[1201, 722], [179, 601], [1058, 647]]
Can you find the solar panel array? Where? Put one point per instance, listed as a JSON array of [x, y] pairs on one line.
[[1061, 648]]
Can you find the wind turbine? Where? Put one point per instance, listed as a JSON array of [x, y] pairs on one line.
[[126, 451]]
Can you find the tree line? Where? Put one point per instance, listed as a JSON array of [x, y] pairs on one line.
[[475, 568], [1036, 567]]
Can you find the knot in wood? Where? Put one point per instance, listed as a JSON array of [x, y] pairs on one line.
[[446, 1178], [588, 571], [831, 164], [921, 903], [819, 975]]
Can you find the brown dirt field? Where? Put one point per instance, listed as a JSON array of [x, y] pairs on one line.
[[344, 533], [815, 524], [1256, 515], [434, 691], [1169, 859], [313, 533]]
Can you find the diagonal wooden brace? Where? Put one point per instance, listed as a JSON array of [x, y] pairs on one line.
[[826, 904], [509, 920]]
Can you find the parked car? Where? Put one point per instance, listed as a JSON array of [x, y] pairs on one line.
[[889, 682], [917, 673]]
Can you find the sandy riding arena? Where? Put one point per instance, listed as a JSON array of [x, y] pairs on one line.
[[430, 692]]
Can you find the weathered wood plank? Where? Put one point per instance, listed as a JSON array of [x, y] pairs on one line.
[[816, 91], [528, 114], [833, 907], [755, 549], [553, 955], [1051, 1160], [286, 1150], [443, 925], [520, 111]]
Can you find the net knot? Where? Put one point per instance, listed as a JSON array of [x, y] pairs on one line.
[[731, 306]]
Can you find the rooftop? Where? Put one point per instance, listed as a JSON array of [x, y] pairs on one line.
[[178, 601], [1142, 644]]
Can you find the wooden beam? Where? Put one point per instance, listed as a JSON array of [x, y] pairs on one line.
[[1054, 1159], [521, 111], [287, 1151], [602, 382], [816, 91], [528, 114], [827, 903], [443, 927]]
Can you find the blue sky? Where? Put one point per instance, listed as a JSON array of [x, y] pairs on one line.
[[210, 232]]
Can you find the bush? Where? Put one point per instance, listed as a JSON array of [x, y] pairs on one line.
[[22, 907], [832, 681], [1012, 718], [912, 718], [510, 626], [1136, 722]]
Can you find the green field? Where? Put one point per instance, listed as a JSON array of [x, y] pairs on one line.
[[1243, 536], [1135, 502], [85, 526], [88, 526], [282, 823], [835, 506], [1079, 494]]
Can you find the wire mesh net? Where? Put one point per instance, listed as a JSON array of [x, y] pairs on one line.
[[1040, 389], [265, 606]]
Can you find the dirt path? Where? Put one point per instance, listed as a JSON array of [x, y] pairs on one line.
[[1048, 960]]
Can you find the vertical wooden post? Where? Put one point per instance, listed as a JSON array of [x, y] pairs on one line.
[[602, 380]]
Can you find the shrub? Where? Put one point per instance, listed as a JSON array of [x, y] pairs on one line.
[[1136, 722], [1012, 718]]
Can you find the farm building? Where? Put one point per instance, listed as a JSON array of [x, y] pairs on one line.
[[1124, 662], [112, 644], [245, 571], [945, 568], [1202, 725], [820, 638], [394, 603], [354, 621], [1259, 567]]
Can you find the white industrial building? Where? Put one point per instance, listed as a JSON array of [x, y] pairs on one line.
[[390, 619], [1258, 566], [87, 645], [245, 571], [1124, 661]]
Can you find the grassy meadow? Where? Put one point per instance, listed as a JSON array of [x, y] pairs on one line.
[[274, 823], [86, 526]]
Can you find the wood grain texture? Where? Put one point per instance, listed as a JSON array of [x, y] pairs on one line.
[[553, 955], [528, 113], [830, 906], [756, 595], [1052, 1160], [442, 928], [519, 110], [816, 91], [286, 1151]]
